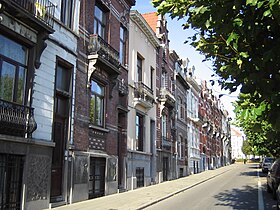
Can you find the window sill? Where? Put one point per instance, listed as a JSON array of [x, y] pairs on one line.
[[140, 152], [98, 128]]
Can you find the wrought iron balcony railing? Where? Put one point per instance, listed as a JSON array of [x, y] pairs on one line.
[[123, 88], [99, 46], [166, 143], [143, 94], [16, 120], [40, 9]]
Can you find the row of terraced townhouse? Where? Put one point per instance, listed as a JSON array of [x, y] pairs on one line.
[[93, 102]]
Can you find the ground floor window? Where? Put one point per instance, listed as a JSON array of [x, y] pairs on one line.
[[11, 172], [140, 177]]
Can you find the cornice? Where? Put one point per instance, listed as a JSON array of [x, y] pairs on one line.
[[138, 19]]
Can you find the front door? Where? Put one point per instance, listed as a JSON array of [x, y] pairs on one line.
[[97, 177], [165, 168], [57, 160]]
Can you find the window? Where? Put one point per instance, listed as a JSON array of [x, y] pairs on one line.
[[182, 109], [180, 145], [13, 70], [11, 173], [139, 132], [139, 69], [163, 125], [122, 44], [99, 23], [152, 78], [97, 104], [67, 12], [140, 177], [163, 80]]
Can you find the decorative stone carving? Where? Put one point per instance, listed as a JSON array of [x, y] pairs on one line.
[[39, 168]]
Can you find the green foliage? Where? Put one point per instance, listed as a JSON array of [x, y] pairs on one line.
[[262, 138], [247, 148], [242, 39]]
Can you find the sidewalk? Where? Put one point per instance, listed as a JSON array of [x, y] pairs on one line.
[[146, 196]]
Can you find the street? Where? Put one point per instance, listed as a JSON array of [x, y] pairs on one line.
[[241, 188]]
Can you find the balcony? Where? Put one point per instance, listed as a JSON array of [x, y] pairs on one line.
[[16, 120], [123, 88], [102, 51], [143, 95], [166, 143], [166, 97], [36, 13]]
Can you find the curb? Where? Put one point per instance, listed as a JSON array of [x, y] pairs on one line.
[[180, 191]]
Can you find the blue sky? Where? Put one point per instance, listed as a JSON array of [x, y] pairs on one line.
[[177, 37]]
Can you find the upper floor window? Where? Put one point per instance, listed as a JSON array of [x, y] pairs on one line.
[[67, 12], [182, 109], [122, 44], [139, 69], [180, 147], [152, 77], [139, 132], [97, 104], [99, 23], [164, 80], [13, 70], [164, 126]]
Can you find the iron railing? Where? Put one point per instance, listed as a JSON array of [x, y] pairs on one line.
[[143, 92], [123, 88], [99, 46], [16, 120], [166, 143], [41, 9], [11, 170]]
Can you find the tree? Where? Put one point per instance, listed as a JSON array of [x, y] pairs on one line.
[[246, 148], [242, 39], [262, 137]]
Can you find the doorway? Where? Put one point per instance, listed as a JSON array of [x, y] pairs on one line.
[[97, 177]]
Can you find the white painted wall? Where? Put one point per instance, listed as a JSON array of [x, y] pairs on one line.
[[43, 93]]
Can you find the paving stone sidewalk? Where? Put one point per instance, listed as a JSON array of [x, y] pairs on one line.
[[146, 196]]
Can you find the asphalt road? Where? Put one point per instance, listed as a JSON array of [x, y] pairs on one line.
[[242, 188]]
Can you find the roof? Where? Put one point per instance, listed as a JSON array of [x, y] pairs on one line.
[[151, 18]]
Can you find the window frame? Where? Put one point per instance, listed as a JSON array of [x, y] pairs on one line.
[[139, 131], [101, 112], [17, 68], [66, 15], [100, 23], [139, 67], [122, 53]]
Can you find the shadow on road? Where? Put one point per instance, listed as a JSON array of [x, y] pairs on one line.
[[247, 196], [239, 198]]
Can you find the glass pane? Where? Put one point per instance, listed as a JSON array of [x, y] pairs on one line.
[[98, 14], [122, 33], [7, 81], [95, 27], [92, 109], [21, 85], [99, 111], [95, 88], [62, 106], [13, 50], [63, 79]]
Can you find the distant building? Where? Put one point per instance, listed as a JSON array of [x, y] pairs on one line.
[[237, 138]]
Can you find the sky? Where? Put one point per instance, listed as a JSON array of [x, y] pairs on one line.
[[177, 37]]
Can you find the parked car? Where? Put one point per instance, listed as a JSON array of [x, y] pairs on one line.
[[278, 197], [266, 164], [273, 178]]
